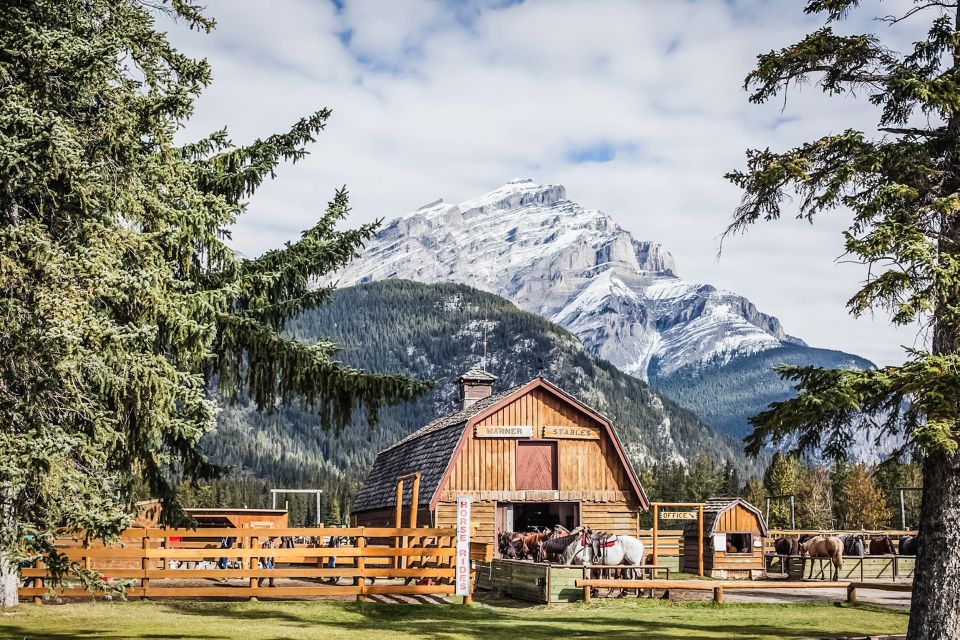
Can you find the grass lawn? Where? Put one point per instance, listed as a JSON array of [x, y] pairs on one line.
[[361, 621]]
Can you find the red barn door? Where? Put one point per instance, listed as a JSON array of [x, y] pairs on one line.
[[536, 465]]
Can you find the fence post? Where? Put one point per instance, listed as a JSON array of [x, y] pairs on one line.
[[852, 593], [254, 565], [361, 565], [38, 584], [586, 594], [718, 595], [145, 566]]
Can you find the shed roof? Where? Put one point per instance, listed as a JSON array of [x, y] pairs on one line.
[[716, 506], [431, 449]]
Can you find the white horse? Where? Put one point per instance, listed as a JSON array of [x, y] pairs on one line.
[[614, 550]]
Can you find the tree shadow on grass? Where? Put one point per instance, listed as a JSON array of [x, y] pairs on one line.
[[25, 633], [441, 623]]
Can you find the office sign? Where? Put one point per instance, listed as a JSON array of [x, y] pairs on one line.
[[678, 515], [462, 573], [501, 431]]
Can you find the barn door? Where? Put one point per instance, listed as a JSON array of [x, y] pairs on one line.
[[536, 465]]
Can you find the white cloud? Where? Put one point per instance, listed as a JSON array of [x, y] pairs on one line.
[[452, 100]]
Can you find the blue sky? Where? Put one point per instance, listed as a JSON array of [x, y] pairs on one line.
[[635, 106]]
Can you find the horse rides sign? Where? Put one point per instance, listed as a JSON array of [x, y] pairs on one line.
[[462, 575]]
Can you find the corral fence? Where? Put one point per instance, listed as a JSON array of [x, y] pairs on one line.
[[718, 588], [159, 563], [892, 566]]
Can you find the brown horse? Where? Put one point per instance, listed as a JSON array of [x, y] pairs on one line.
[[822, 547], [882, 545]]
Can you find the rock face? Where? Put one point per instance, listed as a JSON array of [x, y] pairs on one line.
[[577, 267]]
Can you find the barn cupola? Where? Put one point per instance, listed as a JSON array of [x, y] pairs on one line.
[[475, 384]]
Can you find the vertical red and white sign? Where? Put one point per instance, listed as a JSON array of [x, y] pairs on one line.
[[462, 576]]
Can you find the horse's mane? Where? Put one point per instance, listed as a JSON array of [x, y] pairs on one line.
[[556, 545]]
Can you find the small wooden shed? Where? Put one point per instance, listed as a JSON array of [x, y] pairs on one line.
[[733, 535]]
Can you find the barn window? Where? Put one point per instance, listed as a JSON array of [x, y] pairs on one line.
[[739, 543], [536, 465]]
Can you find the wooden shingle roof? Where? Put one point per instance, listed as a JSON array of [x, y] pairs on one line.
[[427, 450], [711, 514]]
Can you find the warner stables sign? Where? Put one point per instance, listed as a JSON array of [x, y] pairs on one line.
[[570, 433], [556, 432], [497, 431]]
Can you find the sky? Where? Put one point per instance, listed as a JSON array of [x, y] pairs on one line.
[[637, 107]]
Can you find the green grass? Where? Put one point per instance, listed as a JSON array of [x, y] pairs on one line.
[[362, 621]]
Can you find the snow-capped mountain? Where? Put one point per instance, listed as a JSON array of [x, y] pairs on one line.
[[577, 267]]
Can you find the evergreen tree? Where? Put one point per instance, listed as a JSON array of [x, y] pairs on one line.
[[731, 485], [755, 493], [815, 500], [703, 481], [782, 479], [860, 504], [903, 188], [121, 301], [892, 475]]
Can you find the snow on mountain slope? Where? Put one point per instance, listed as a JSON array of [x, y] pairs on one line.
[[575, 266]]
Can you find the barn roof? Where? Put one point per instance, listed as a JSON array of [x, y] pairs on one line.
[[431, 449], [427, 450], [712, 509]]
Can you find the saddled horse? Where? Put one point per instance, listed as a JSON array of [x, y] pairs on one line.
[[612, 550], [882, 545], [822, 547], [854, 546], [578, 549]]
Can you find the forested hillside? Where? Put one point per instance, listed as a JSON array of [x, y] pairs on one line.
[[437, 332], [727, 394]]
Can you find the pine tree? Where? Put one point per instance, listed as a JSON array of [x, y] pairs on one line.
[[902, 185], [815, 500], [755, 493], [860, 505], [120, 298], [782, 479], [703, 481]]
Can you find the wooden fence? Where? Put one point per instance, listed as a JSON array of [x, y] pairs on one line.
[[894, 535], [718, 587], [155, 563]]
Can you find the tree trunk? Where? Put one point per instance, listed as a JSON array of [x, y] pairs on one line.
[[9, 581], [935, 611]]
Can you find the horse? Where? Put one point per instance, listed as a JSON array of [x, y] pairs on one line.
[[881, 545], [531, 543], [853, 546], [554, 548], [908, 545], [506, 545], [823, 547], [787, 546], [578, 549], [611, 550]]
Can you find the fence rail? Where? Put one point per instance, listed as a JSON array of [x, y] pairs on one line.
[[718, 588], [418, 560]]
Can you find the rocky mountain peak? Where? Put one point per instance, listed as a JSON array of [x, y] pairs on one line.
[[576, 266]]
